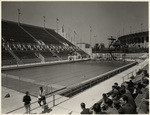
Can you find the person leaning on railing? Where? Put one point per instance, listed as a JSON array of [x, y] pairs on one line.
[[41, 96]]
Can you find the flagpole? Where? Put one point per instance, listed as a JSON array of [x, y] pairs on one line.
[[63, 30], [141, 27], [95, 38], [44, 21], [90, 35], [123, 31], [130, 29], [19, 16], [57, 24], [74, 37]]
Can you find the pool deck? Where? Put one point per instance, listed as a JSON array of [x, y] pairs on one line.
[[65, 105]]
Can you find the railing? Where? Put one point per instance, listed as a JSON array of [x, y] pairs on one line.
[[133, 73], [129, 75]]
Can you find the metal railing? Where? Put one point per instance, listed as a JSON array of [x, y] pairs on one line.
[[133, 73]]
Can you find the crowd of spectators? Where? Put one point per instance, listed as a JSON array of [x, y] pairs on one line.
[[124, 99]]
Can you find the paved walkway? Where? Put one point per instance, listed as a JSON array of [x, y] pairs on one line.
[[66, 105]]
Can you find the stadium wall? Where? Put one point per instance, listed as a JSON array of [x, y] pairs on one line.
[[137, 40]]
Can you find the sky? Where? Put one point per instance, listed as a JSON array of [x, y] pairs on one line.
[[105, 18]]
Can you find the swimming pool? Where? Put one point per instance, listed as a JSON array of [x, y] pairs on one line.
[[66, 74]]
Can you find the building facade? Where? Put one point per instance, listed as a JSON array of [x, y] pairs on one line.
[[85, 47]]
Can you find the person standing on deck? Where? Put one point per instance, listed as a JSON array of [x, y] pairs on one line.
[[41, 96], [26, 100]]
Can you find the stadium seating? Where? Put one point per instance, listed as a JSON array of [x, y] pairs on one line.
[[27, 56], [48, 56], [30, 44], [40, 34], [63, 54], [7, 58], [11, 32], [63, 40]]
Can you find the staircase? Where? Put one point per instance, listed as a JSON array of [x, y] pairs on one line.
[[40, 57]]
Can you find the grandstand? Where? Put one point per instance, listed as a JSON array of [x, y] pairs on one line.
[[24, 44], [135, 42]]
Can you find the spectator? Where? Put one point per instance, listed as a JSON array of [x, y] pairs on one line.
[[125, 106], [137, 90], [145, 82], [144, 105], [130, 86], [116, 85], [41, 96], [130, 98], [114, 93], [124, 89], [84, 109], [97, 109], [106, 101], [26, 100]]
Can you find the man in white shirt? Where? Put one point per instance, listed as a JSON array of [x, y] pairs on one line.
[[41, 96]]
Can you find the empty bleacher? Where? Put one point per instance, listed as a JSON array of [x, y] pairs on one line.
[[63, 54], [27, 56], [8, 59], [31, 44], [63, 40], [49, 56], [11, 32], [40, 34]]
